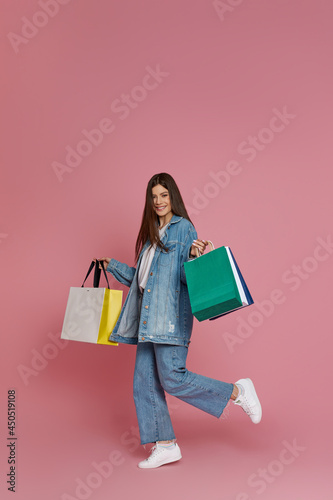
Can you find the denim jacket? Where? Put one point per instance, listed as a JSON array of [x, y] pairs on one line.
[[164, 314]]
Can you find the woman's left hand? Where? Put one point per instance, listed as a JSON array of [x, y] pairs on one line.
[[200, 245]]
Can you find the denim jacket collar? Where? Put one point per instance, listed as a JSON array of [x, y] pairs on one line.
[[174, 219]]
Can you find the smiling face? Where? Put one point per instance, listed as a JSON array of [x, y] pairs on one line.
[[162, 203]]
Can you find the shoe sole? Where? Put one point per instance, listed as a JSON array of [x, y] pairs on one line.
[[256, 398], [159, 465]]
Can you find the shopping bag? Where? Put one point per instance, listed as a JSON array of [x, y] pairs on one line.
[[91, 313], [215, 284]]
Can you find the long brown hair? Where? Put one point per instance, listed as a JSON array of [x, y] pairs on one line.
[[150, 219]]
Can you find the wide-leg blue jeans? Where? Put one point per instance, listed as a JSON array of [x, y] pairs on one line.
[[161, 368]]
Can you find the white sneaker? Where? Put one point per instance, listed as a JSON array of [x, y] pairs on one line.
[[249, 400], [160, 456]]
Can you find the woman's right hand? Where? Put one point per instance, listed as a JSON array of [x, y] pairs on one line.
[[104, 260]]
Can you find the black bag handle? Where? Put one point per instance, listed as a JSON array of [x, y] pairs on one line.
[[97, 273]]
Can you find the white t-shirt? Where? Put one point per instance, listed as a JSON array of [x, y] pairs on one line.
[[146, 261]]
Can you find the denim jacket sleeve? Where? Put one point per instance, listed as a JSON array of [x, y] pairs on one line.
[[122, 272], [191, 235]]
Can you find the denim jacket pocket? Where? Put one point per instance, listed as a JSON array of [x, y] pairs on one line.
[[167, 256]]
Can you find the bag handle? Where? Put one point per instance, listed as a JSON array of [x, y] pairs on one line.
[[211, 249], [97, 274]]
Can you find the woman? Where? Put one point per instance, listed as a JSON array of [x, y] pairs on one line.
[[157, 317]]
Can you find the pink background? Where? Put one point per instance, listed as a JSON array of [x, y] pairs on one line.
[[223, 75]]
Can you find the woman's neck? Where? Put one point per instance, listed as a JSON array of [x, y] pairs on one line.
[[165, 219]]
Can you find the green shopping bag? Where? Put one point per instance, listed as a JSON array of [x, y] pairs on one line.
[[215, 284]]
